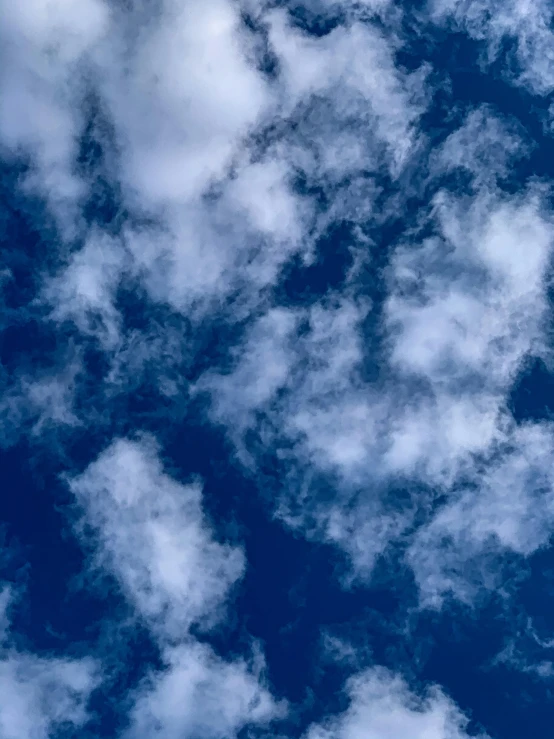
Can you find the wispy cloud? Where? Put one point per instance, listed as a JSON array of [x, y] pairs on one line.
[[495, 23]]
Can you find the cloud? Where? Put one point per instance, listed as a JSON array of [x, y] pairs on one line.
[[200, 695], [237, 146], [40, 695], [352, 88], [46, 52], [528, 24], [84, 292], [465, 306], [41, 402], [210, 147], [509, 506], [525, 652], [464, 310], [485, 145], [383, 707], [153, 536]]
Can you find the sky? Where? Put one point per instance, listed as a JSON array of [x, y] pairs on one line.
[[276, 369]]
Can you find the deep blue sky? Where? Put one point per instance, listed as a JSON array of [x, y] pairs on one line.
[[300, 257]]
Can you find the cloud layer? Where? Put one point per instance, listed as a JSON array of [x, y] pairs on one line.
[[275, 243]]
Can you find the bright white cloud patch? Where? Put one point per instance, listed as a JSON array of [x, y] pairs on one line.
[[465, 307], [210, 150], [353, 70], [509, 505], [382, 707], [183, 92], [40, 695], [200, 695], [153, 536], [46, 48]]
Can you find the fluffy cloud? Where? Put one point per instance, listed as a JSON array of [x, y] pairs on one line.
[[40, 695], [509, 506], [46, 52], [235, 150], [84, 291], [382, 707], [465, 307], [200, 695], [209, 147], [352, 69], [153, 536]]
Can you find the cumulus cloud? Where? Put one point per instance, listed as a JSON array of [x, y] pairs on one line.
[[152, 535], [464, 311], [485, 146], [154, 538], [41, 695], [46, 49], [40, 402], [509, 506], [200, 695], [353, 70], [209, 147], [383, 707], [465, 307], [84, 291]]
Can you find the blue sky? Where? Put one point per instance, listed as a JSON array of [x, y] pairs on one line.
[[277, 372]]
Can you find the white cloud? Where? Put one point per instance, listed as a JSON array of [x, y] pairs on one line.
[[485, 146], [182, 92], [383, 707], [40, 401], [46, 48], [181, 99], [508, 505], [465, 307], [39, 695], [316, 371], [308, 388], [200, 695], [154, 538], [463, 312], [528, 23], [84, 291], [352, 70]]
